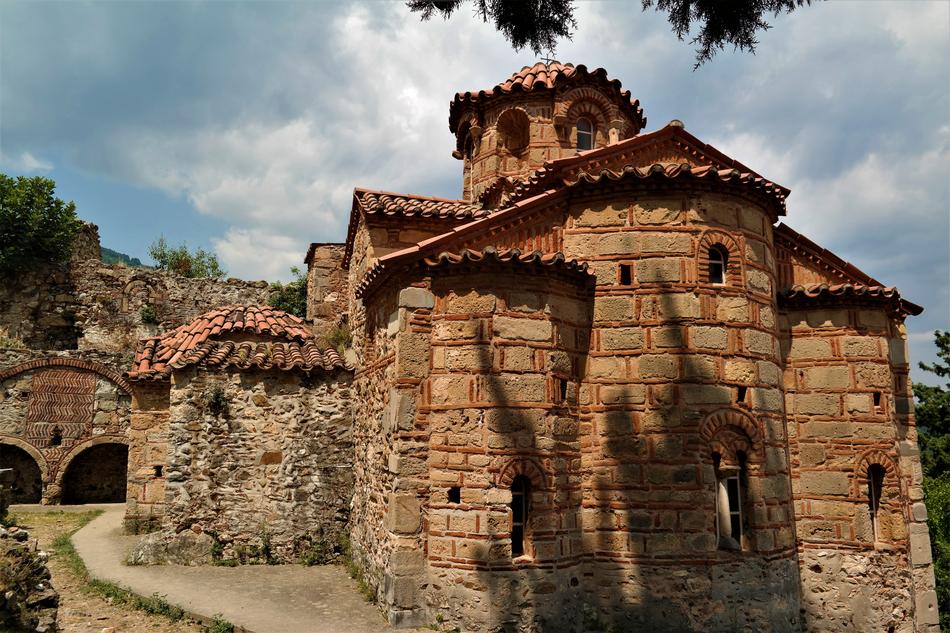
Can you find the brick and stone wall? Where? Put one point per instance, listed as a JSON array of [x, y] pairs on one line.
[[259, 461], [850, 408], [55, 407]]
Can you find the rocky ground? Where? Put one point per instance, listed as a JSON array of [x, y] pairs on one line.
[[82, 610]]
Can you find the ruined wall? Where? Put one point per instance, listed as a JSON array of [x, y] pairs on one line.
[[850, 408], [89, 305], [326, 283], [54, 406], [271, 469]]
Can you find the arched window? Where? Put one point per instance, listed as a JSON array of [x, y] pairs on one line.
[[585, 134], [520, 506], [718, 261], [730, 500], [875, 486], [514, 129]]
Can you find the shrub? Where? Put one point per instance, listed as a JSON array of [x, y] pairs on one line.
[[290, 297], [216, 400], [10, 341], [181, 261], [148, 315], [339, 337], [35, 226]]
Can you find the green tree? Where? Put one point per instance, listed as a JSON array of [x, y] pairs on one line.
[[538, 24], [181, 261], [36, 227], [291, 297], [933, 425]]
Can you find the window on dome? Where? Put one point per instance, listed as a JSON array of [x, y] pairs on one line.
[[718, 260], [585, 134]]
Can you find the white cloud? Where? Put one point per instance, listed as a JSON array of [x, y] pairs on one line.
[[25, 163], [258, 255]]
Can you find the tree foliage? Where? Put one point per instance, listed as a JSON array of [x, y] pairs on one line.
[[182, 261], [36, 227], [933, 424], [291, 297], [539, 23]]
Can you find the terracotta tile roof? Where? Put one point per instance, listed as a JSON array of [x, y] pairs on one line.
[[546, 76], [812, 293], [372, 202], [611, 162], [407, 205], [195, 344], [489, 254], [788, 238]]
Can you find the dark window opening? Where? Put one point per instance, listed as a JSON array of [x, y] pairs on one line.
[[626, 276], [585, 134], [718, 260], [562, 389], [520, 505], [875, 486], [158, 470], [56, 439], [455, 494], [740, 394], [877, 400]]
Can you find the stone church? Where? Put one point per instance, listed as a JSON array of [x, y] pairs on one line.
[[604, 390]]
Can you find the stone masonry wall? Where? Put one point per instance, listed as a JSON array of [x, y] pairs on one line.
[[850, 408], [326, 283], [89, 305], [272, 471]]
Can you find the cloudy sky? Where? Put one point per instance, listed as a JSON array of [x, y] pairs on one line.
[[243, 127]]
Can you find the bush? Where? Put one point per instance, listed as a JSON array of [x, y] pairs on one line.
[[10, 341], [36, 227], [181, 261], [339, 337], [148, 315], [292, 296]]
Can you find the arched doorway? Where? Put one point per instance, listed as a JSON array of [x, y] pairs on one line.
[[97, 475], [27, 479]]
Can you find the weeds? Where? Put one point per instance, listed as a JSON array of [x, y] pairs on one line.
[[147, 314], [216, 400], [218, 625]]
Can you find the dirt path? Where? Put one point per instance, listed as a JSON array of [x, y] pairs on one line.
[[81, 610]]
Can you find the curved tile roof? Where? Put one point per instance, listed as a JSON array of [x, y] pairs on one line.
[[513, 256], [885, 294], [388, 203], [194, 344], [546, 76]]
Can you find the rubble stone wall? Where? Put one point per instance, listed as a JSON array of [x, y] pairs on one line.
[[268, 470]]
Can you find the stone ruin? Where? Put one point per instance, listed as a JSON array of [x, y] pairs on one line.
[[603, 390]]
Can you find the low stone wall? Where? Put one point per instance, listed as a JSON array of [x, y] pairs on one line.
[[260, 461]]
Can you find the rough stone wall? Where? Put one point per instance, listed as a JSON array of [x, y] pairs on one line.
[[56, 405], [326, 283], [272, 470], [89, 305], [849, 404], [380, 414], [148, 456]]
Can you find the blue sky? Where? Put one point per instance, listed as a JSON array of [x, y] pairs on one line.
[[243, 127]]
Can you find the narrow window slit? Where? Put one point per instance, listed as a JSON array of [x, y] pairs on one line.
[[877, 400], [740, 394], [718, 261], [158, 470], [455, 494], [56, 439], [626, 278], [875, 486], [520, 505]]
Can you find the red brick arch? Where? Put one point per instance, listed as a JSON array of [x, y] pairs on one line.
[[715, 237], [865, 461], [76, 363], [731, 431], [523, 466]]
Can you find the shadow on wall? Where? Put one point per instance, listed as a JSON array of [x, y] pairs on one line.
[[26, 479], [97, 475]]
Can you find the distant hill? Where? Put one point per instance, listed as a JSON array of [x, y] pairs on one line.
[[110, 256]]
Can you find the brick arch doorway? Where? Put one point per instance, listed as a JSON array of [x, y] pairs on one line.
[[97, 474], [27, 480]]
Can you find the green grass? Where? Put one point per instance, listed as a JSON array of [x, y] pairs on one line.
[[155, 604]]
